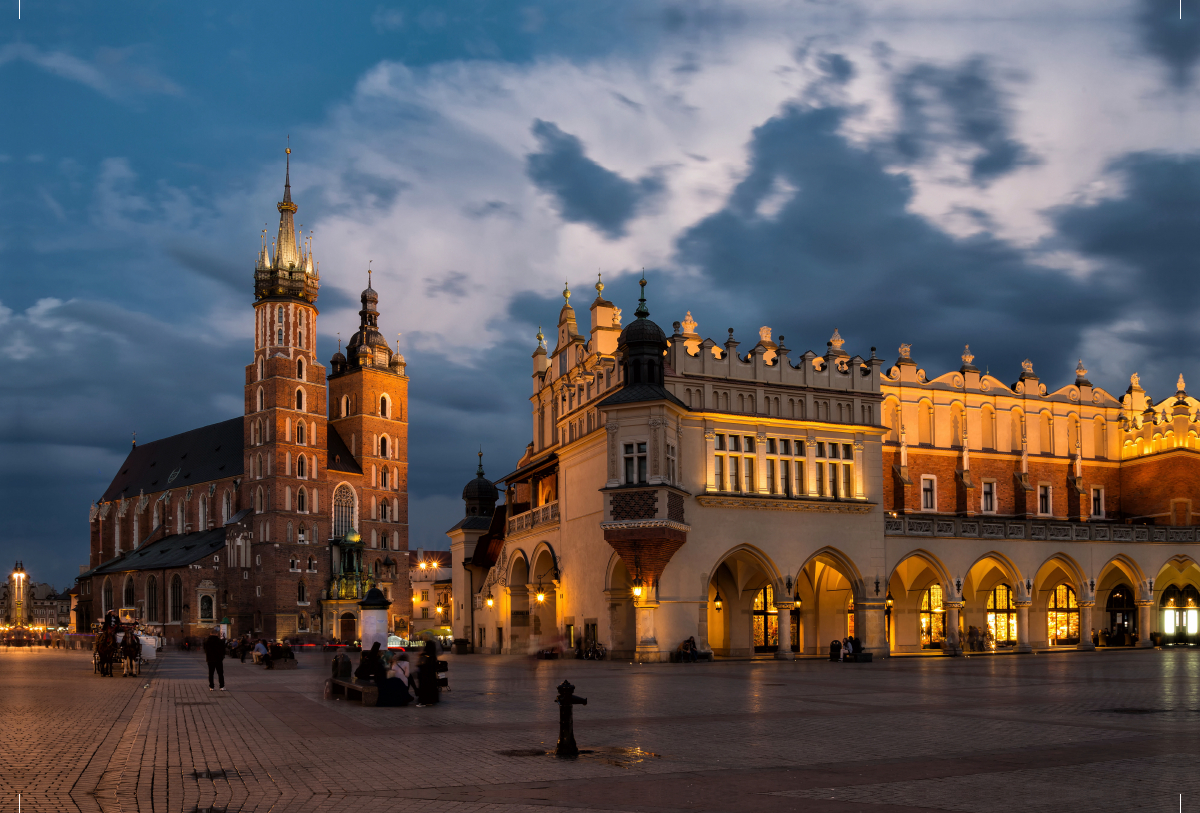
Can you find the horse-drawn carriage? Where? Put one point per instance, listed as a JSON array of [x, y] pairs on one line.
[[117, 642]]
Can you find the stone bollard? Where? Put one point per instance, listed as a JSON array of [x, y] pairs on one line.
[[566, 720]]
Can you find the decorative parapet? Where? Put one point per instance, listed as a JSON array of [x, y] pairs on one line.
[[786, 504], [1035, 530], [630, 524], [543, 515]]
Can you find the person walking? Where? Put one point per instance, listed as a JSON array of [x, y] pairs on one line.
[[214, 654]]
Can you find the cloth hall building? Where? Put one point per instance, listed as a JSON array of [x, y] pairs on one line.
[[675, 487], [277, 521]]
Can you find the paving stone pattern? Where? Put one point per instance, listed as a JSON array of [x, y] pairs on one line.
[[1064, 732]]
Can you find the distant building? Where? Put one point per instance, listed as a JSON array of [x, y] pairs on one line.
[[433, 592]]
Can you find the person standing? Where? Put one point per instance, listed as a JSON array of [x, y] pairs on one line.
[[214, 654], [427, 680]]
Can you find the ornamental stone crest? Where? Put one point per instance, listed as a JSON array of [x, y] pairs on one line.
[[689, 324], [616, 317], [764, 334], [1027, 366], [1135, 380], [967, 355], [1080, 370], [905, 350], [837, 341]]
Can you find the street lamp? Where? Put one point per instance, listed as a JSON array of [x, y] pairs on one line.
[[541, 596], [637, 587], [717, 602], [490, 601]]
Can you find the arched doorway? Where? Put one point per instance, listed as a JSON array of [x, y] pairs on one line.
[[933, 618], [1122, 616], [543, 607], [742, 617], [765, 621], [1180, 612], [518, 604], [1062, 617], [348, 627]]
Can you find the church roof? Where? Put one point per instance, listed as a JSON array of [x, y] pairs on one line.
[[197, 456], [176, 550], [339, 458]]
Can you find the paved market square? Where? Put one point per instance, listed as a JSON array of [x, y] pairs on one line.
[[1115, 730]]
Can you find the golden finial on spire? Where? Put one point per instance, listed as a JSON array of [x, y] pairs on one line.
[[567, 292], [599, 285]]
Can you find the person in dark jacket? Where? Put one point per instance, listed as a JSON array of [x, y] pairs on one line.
[[427, 680], [214, 653]]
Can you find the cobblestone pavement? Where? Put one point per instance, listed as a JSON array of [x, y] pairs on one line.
[[1063, 732]]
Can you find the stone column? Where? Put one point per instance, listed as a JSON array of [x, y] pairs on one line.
[[870, 625], [710, 453], [373, 613], [760, 463], [1085, 626], [859, 493], [1023, 626], [952, 610], [644, 632], [810, 465], [784, 653], [1145, 619]]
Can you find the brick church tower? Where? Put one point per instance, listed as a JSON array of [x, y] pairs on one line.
[[285, 436], [369, 401]]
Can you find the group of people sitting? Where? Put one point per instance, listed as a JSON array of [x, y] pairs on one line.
[[262, 651], [1118, 636], [393, 675], [846, 649]]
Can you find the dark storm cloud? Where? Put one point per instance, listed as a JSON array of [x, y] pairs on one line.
[[213, 266], [1148, 234], [1171, 39], [844, 251], [584, 191], [836, 67], [962, 105]]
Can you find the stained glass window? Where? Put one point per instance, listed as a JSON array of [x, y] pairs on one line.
[[1062, 617], [1001, 615]]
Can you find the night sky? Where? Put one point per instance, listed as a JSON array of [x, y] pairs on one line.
[[917, 172]]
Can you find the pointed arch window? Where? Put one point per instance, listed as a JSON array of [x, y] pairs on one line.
[[302, 467], [383, 406], [227, 508], [345, 405], [383, 444], [175, 601], [300, 400], [107, 595], [260, 369], [300, 434], [261, 400], [302, 498], [258, 500], [383, 477], [152, 599], [343, 510], [300, 369], [127, 598], [302, 592]]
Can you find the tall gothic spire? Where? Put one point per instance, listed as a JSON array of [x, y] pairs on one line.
[[287, 253]]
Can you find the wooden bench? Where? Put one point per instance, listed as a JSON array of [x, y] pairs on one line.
[[355, 689]]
